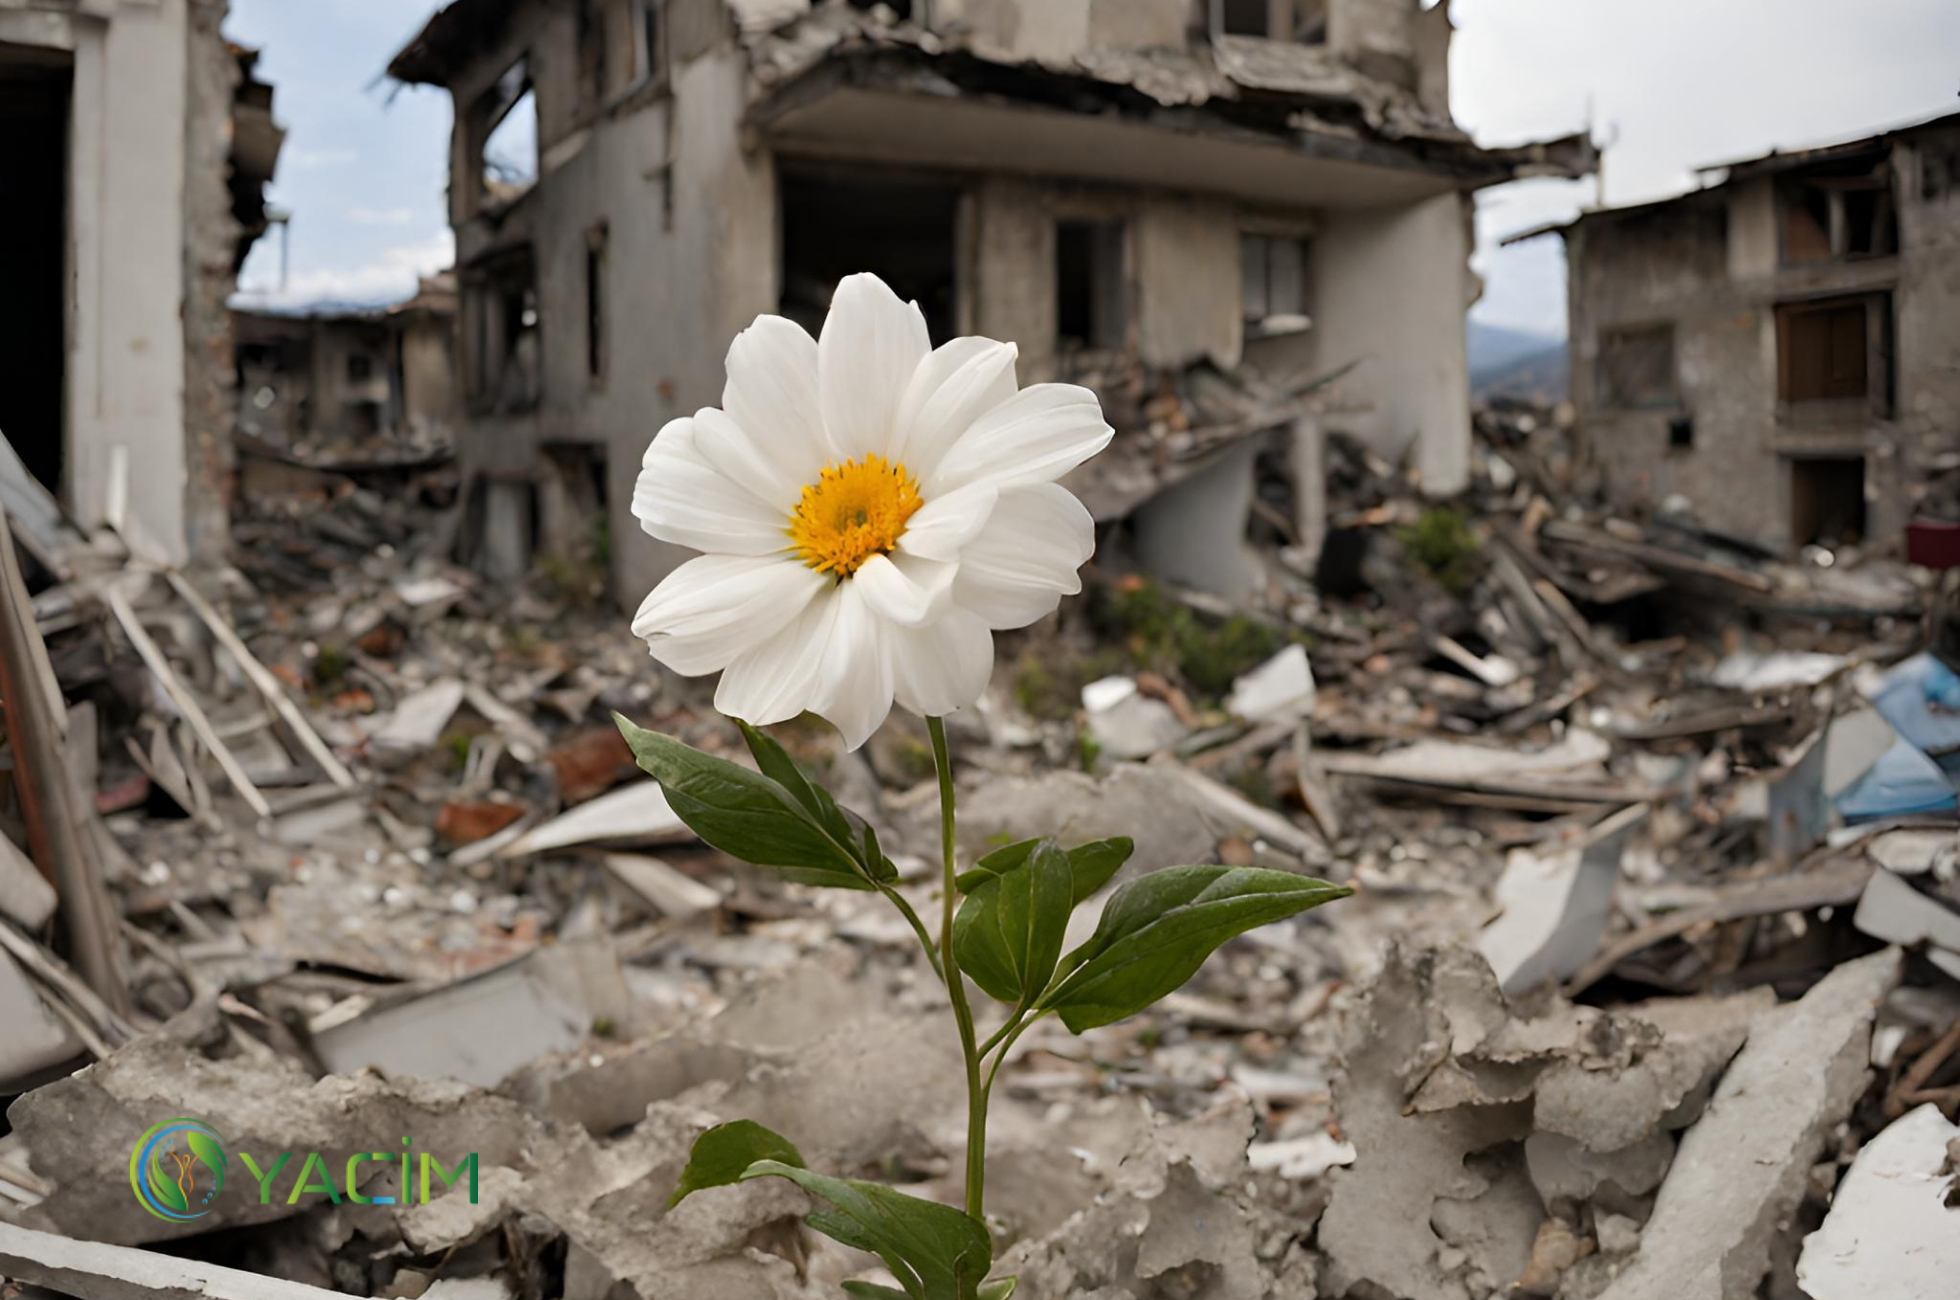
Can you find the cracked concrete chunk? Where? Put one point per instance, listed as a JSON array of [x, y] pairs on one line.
[[1891, 1231], [1563, 1169], [1741, 1170]]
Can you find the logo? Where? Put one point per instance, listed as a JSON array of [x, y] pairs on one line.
[[176, 1168]]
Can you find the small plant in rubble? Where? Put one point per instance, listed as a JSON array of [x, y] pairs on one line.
[[871, 510]]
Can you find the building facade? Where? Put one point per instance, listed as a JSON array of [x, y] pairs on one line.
[[1145, 187], [137, 143], [1777, 354]]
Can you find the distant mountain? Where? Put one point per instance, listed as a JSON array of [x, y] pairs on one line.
[[1515, 363]]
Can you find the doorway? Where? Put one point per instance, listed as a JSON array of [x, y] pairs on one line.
[[34, 95]]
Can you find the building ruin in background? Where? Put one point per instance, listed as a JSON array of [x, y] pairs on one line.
[[136, 143], [1778, 353], [351, 384], [1199, 209]]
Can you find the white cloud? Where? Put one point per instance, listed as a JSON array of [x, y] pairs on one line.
[[389, 278], [360, 216]]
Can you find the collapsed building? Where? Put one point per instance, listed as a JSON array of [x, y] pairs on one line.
[[138, 144], [1202, 210], [376, 381], [1781, 348]]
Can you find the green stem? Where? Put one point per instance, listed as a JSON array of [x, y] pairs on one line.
[[987, 1089], [1004, 1031], [976, 1095], [918, 928]]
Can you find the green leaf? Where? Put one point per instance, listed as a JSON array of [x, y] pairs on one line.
[[1008, 934], [1158, 929], [1092, 863], [935, 1251], [724, 1153], [743, 813], [211, 1154], [1001, 1290], [870, 1291], [849, 830]]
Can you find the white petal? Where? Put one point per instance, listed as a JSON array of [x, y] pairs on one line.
[[940, 528], [777, 680], [681, 498], [1037, 436], [854, 689], [772, 393], [944, 667], [956, 385], [872, 345], [1026, 558], [906, 591], [727, 446], [711, 609]]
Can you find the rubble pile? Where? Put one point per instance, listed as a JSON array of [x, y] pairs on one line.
[[1651, 987]]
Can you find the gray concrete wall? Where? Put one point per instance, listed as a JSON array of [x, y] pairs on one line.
[[1389, 292], [1711, 266]]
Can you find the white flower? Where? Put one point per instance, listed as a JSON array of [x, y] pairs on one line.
[[870, 510]]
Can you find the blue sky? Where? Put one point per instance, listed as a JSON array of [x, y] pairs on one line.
[[1672, 84]]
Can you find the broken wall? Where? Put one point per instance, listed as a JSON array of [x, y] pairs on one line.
[[1389, 288], [1712, 269], [128, 365], [209, 253], [1057, 31], [687, 218]]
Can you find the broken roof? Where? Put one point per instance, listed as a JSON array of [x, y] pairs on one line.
[[1298, 94], [1725, 173]]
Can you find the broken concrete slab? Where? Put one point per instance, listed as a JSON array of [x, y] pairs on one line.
[[633, 814], [1279, 690], [1893, 911], [1126, 723], [417, 723], [482, 1028], [1556, 907], [1741, 1171], [93, 1270], [663, 889], [25, 894], [36, 1038], [78, 1131], [1564, 1169], [1892, 1230]]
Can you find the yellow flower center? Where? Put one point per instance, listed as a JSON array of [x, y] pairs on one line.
[[852, 512]]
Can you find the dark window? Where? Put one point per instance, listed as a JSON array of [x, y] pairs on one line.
[[903, 8], [1827, 501], [1844, 212], [1822, 351], [506, 121], [1245, 17], [837, 222], [500, 306], [360, 368], [595, 303], [1681, 433], [1636, 367], [1274, 271], [591, 50], [1089, 284]]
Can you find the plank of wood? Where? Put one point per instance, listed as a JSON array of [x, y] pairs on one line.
[[264, 682], [180, 695]]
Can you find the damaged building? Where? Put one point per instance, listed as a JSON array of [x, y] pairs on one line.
[[138, 143], [1778, 353], [368, 383], [1202, 210]]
